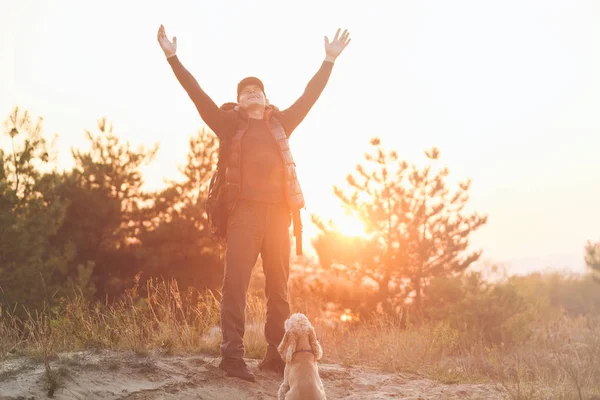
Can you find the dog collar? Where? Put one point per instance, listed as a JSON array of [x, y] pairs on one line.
[[304, 351]]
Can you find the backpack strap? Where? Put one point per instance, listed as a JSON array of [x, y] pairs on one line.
[[297, 221]]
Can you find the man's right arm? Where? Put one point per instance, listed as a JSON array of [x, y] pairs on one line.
[[208, 110]]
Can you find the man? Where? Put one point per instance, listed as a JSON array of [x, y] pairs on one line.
[[262, 190]]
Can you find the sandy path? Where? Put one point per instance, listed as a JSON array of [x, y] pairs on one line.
[[125, 375]]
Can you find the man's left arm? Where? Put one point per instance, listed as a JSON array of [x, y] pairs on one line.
[[292, 116]]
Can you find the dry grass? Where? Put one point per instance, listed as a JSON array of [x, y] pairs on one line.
[[559, 361]]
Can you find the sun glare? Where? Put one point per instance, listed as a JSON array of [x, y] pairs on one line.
[[350, 226]]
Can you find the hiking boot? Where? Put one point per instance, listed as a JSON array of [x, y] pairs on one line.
[[273, 364], [237, 368]]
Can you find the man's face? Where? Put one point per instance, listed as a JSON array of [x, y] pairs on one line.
[[252, 96]]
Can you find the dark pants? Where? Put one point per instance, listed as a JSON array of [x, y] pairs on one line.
[[255, 228]]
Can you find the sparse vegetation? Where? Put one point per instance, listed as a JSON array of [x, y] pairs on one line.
[[551, 356]]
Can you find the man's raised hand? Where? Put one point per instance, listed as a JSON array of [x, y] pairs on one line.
[[168, 47], [335, 47]]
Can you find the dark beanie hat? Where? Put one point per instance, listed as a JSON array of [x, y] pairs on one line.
[[251, 80]]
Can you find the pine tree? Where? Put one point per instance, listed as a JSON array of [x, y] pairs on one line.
[[592, 259], [178, 245], [417, 228], [108, 209], [33, 270]]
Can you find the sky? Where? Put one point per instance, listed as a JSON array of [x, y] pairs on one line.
[[508, 91]]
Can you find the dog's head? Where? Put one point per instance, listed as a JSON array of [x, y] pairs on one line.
[[296, 326]]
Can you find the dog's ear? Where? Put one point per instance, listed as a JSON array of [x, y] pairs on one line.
[[287, 346], [314, 343]]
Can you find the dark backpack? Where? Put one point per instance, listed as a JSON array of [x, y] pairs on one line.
[[216, 204]]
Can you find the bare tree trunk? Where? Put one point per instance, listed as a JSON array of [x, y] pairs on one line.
[[418, 291]]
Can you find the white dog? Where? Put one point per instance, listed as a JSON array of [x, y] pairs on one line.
[[300, 350]]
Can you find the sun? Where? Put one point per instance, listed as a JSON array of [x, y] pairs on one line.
[[328, 211], [349, 225]]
